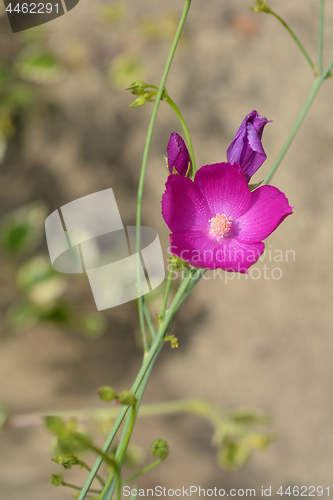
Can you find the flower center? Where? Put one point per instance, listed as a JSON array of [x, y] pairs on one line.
[[220, 225]]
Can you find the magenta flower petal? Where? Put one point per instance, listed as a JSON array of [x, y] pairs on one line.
[[178, 155], [224, 187], [216, 221], [202, 251], [183, 205], [268, 208], [246, 149]]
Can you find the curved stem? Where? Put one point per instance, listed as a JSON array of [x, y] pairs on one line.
[[74, 487], [186, 132], [320, 37], [144, 372], [146, 151], [316, 86], [143, 471], [140, 385], [290, 31]]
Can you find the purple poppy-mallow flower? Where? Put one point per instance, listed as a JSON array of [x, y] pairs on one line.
[[178, 155], [216, 221], [246, 149]]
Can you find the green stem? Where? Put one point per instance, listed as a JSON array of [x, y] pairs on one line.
[[124, 435], [143, 471], [118, 487], [143, 375], [320, 37], [98, 477], [300, 45], [121, 454], [183, 124], [146, 151], [163, 331], [69, 485], [316, 86], [166, 293], [149, 320]]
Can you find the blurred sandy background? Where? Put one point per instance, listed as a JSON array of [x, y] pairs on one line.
[[260, 343]]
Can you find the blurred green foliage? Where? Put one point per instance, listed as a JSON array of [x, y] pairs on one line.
[[39, 65], [41, 290]]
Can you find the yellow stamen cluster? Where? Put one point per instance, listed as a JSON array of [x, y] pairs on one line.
[[220, 225]]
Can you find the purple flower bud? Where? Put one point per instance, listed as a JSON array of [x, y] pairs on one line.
[[178, 155], [246, 148]]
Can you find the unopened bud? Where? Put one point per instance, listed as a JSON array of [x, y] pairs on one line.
[[127, 398], [138, 87], [261, 6], [66, 462], [179, 161], [106, 393], [160, 448], [56, 479], [142, 99]]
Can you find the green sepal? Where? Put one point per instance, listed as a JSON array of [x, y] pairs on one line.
[[252, 187]]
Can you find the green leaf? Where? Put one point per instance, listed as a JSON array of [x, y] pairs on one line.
[[92, 325], [246, 416], [22, 229], [113, 13], [54, 424], [126, 68], [21, 316], [35, 271], [5, 75], [38, 65]]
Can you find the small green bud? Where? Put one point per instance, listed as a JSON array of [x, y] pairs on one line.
[[260, 6], [160, 448], [66, 462], [138, 87], [56, 479], [173, 341], [142, 99], [178, 262], [106, 393], [127, 398]]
